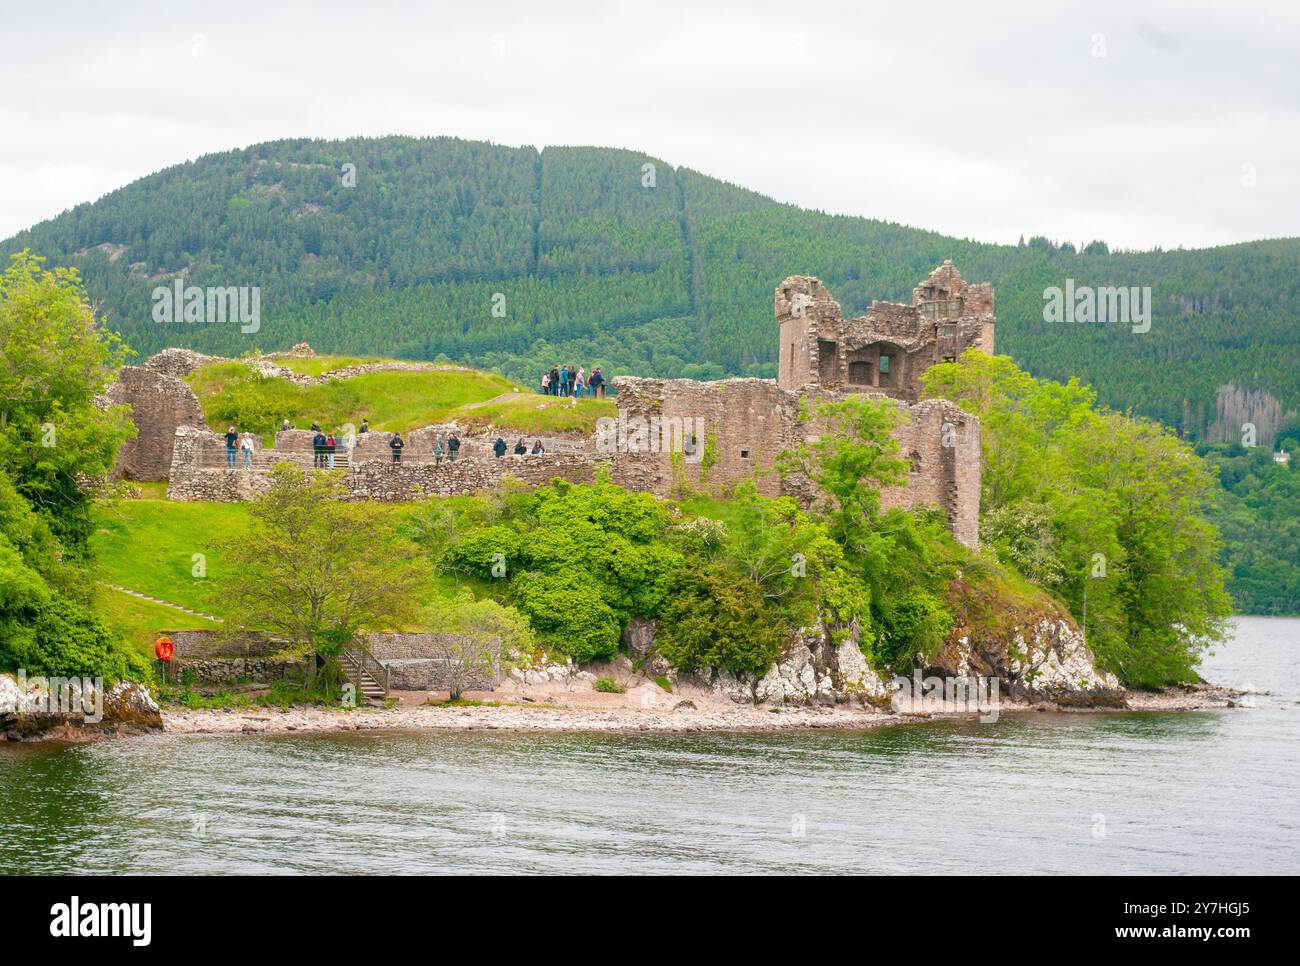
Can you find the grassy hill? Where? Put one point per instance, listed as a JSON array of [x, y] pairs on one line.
[[394, 401], [514, 259]]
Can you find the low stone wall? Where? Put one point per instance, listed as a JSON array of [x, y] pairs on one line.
[[416, 661], [434, 674], [203, 644], [199, 472], [226, 669]]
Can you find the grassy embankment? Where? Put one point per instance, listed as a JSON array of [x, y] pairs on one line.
[[149, 546], [393, 401]]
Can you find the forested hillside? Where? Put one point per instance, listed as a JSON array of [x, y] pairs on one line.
[[607, 257]]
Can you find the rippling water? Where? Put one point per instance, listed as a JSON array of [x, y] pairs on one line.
[[1116, 793]]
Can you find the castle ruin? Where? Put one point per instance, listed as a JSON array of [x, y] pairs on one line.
[[717, 433]]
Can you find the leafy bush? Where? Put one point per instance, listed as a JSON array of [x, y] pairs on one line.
[[714, 617], [569, 614], [608, 685]]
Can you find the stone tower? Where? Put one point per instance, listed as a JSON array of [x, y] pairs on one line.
[[887, 350]]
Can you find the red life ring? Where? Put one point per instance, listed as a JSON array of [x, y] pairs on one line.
[[164, 648]]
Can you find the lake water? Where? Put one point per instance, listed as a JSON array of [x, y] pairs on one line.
[[1115, 793]]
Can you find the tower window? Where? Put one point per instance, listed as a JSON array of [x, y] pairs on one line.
[[884, 363]]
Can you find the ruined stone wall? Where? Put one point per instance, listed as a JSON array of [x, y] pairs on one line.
[[178, 362], [745, 423], [822, 351], [199, 472], [941, 443], [749, 421], [159, 403]]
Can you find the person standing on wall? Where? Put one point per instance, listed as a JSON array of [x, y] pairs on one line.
[[232, 438], [330, 444], [597, 383], [318, 450], [438, 449], [453, 447], [520, 448], [246, 448], [396, 444], [499, 447]]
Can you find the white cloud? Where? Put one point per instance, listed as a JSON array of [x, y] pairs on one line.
[[988, 121]]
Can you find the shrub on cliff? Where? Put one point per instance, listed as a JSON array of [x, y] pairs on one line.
[[715, 618], [569, 613]]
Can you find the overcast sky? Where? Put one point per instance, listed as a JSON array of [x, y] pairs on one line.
[[1139, 123]]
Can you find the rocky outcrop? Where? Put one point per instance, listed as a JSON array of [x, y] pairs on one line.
[[28, 714], [1043, 659], [814, 670]]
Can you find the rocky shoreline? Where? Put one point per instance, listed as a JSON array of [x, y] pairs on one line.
[[684, 717], [564, 702]]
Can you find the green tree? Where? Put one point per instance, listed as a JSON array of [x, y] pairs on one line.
[[54, 360], [1098, 504], [854, 455], [312, 569]]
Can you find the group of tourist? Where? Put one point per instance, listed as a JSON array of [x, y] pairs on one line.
[[238, 443], [574, 382], [324, 445], [521, 448]]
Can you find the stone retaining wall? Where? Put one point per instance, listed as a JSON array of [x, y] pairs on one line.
[[416, 661]]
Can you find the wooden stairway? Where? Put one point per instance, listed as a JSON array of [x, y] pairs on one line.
[[369, 676]]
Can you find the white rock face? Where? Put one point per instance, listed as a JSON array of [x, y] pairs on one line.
[[1056, 661], [856, 675], [10, 695]]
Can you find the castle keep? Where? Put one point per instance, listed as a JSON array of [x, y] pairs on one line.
[[745, 423], [886, 350]]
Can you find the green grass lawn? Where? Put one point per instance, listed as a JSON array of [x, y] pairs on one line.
[[148, 545], [533, 414], [142, 620]]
